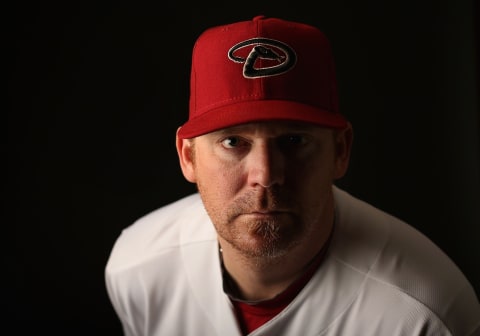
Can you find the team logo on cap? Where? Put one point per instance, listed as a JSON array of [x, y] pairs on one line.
[[263, 57]]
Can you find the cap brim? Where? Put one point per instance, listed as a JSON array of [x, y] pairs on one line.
[[259, 111]]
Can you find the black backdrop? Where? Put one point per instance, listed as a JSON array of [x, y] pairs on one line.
[[96, 92]]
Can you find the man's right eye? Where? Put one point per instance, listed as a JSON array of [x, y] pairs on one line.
[[231, 142]]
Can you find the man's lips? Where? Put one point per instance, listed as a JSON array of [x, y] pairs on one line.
[[266, 213]]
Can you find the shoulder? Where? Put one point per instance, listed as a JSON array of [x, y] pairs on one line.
[[393, 247], [399, 258], [160, 232], [168, 255]]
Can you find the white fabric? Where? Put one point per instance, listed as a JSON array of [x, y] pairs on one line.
[[380, 277]]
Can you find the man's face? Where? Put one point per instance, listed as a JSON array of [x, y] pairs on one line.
[[267, 186]]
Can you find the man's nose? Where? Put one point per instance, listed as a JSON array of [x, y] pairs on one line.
[[266, 165]]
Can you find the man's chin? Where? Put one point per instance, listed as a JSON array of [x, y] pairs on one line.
[[265, 246]]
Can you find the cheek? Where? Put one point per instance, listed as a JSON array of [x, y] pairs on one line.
[[312, 172], [311, 182], [218, 188], [217, 180]]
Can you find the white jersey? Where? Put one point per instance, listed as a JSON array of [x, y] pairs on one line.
[[380, 277]]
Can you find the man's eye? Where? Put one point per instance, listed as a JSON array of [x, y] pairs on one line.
[[232, 142], [293, 140]]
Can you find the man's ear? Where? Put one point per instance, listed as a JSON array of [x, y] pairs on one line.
[[185, 151], [343, 147]]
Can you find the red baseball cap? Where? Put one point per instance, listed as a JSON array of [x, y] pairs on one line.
[[260, 70]]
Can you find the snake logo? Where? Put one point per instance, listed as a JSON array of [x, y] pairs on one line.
[[278, 57]]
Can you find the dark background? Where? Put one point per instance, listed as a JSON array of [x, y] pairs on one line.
[[96, 92]]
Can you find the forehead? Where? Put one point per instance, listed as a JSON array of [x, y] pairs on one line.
[[272, 128]]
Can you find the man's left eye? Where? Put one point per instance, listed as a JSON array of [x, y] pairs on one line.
[[293, 140]]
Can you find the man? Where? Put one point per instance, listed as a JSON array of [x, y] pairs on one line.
[[269, 246]]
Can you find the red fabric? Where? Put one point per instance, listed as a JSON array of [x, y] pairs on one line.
[[262, 69]]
